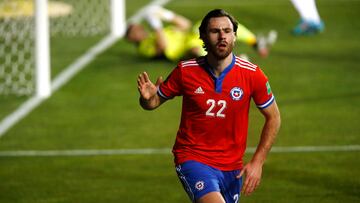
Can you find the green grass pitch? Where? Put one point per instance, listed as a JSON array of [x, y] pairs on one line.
[[315, 80]]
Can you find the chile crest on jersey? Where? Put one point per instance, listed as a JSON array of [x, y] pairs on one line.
[[236, 93]]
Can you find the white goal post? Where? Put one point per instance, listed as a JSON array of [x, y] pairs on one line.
[[42, 50], [26, 27]]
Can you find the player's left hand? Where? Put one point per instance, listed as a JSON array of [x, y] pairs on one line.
[[252, 172]]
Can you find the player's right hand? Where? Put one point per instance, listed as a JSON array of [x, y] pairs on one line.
[[146, 88]]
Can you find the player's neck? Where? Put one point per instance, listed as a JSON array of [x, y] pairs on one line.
[[219, 65]]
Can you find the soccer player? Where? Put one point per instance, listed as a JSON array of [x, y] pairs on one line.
[[174, 41], [310, 22], [216, 90], [259, 43], [179, 39]]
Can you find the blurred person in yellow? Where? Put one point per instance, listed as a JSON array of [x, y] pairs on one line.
[[177, 40], [174, 37], [260, 43]]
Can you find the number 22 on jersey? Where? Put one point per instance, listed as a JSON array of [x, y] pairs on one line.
[[211, 110]]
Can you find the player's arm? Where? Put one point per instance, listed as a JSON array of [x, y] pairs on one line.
[[149, 99], [269, 132], [253, 169], [158, 13], [160, 42], [155, 15], [181, 22]]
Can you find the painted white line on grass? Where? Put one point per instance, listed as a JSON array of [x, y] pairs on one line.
[[84, 152], [20, 113], [65, 76], [348, 148], [81, 62], [149, 151], [58, 82], [344, 148]]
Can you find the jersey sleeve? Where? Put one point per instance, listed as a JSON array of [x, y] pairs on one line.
[[171, 87], [262, 94]]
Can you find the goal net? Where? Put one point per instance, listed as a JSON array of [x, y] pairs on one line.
[[66, 18]]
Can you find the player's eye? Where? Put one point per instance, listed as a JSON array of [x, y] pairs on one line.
[[228, 30], [214, 30]]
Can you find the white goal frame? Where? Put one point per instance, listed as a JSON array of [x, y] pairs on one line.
[[25, 31], [44, 85], [117, 30], [42, 51]]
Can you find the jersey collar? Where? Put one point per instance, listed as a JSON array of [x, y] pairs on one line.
[[219, 80]]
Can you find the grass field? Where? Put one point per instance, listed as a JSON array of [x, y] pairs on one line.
[[315, 80]]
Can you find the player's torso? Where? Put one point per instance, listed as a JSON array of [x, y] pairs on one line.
[[221, 98], [215, 110], [214, 121]]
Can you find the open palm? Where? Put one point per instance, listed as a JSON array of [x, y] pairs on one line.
[[146, 88]]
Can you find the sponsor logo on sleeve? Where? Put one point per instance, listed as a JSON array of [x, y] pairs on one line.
[[268, 88]]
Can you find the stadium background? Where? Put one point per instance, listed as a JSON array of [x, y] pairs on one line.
[[315, 80]]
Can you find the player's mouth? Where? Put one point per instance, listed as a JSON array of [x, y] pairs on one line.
[[221, 45]]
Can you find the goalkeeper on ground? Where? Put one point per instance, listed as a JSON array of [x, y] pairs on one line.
[[174, 41], [173, 36]]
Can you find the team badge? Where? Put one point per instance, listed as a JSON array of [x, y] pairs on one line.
[[268, 88], [199, 185], [236, 93]]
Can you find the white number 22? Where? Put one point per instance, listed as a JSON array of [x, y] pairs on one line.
[[213, 103]]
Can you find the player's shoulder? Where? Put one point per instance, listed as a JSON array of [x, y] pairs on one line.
[[245, 65], [192, 63]]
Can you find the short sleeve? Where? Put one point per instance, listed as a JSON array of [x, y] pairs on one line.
[[171, 87], [262, 94]]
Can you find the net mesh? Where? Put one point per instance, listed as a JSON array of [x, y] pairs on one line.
[[17, 45], [16, 50]]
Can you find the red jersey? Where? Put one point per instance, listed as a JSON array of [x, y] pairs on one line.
[[214, 120]]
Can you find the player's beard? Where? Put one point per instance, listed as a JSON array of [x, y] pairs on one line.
[[220, 52]]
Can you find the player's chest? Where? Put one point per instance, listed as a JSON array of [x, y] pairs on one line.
[[214, 95]]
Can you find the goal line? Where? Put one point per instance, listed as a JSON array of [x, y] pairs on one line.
[[166, 151]]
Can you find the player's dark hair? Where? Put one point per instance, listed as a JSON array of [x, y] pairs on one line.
[[128, 30], [214, 14]]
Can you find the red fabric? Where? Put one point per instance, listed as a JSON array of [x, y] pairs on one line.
[[214, 120]]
